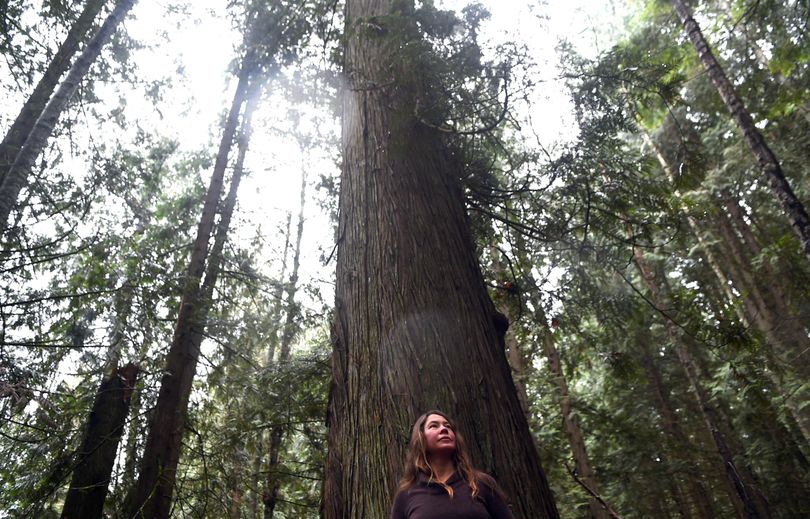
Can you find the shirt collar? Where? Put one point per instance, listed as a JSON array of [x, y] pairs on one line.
[[425, 479]]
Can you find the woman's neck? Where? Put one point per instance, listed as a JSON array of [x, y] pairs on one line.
[[443, 468]]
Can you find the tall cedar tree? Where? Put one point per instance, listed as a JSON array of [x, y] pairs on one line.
[[152, 495], [414, 326]]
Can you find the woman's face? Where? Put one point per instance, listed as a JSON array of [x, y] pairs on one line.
[[439, 436]]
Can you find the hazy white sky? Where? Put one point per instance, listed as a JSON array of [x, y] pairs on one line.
[[201, 45]]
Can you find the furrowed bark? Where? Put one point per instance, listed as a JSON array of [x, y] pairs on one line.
[[414, 327], [17, 175], [96, 457], [21, 127], [768, 163]]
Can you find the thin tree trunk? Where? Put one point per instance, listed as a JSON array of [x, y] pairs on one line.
[[263, 456], [32, 109], [278, 296], [711, 259], [292, 310], [675, 434], [570, 420], [96, 457], [235, 509], [571, 427], [288, 333], [680, 500], [789, 325], [136, 418], [771, 168], [17, 175], [746, 473], [256, 479], [766, 313], [790, 461], [414, 327], [759, 309], [152, 496], [761, 57], [708, 410]]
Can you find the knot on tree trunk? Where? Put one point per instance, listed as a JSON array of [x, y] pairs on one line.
[[501, 323]]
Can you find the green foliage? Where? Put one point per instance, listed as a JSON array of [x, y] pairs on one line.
[[91, 274]]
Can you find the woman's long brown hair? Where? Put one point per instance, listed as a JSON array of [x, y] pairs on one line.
[[416, 461]]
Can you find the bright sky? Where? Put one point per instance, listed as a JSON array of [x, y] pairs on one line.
[[203, 49]]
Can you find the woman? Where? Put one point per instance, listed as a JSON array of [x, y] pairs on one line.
[[439, 481]]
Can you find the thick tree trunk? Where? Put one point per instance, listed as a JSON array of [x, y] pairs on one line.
[[152, 496], [710, 414], [414, 326], [95, 459], [288, 332], [771, 168], [32, 109], [17, 175]]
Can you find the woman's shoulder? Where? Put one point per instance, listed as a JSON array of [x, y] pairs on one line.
[[486, 479], [493, 496]]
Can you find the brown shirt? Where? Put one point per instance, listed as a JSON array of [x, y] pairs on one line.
[[431, 501]]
